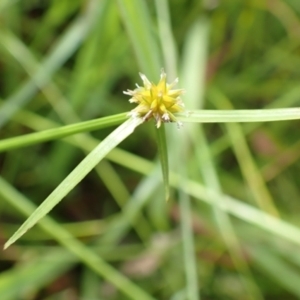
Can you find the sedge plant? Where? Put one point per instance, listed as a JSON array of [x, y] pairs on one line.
[[155, 101], [160, 104]]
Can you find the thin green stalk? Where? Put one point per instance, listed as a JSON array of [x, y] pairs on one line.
[[239, 116], [84, 167], [163, 155], [60, 132]]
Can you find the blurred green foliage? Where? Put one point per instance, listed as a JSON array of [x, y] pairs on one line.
[[62, 62]]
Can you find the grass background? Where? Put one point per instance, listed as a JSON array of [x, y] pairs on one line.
[[231, 227]]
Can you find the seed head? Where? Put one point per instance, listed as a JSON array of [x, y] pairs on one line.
[[158, 101]]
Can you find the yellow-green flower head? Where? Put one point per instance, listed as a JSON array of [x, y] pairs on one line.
[[158, 101]]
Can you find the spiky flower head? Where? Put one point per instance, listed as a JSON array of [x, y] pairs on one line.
[[158, 101]]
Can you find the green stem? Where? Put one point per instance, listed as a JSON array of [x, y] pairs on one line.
[[63, 131], [239, 116], [163, 154]]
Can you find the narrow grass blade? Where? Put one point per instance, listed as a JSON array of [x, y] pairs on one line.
[[222, 218], [89, 162], [276, 268], [195, 53], [17, 284], [243, 211], [131, 212], [163, 155], [190, 263], [63, 131], [23, 56], [166, 37], [64, 48], [136, 17], [239, 116], [89, 257], [253, 177], [89, 285]]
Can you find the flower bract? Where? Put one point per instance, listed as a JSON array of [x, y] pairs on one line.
[[158, 101]]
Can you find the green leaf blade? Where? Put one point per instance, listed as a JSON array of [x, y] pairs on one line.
[[163, 155], [61, 132], [84, 167], [239, 115]]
